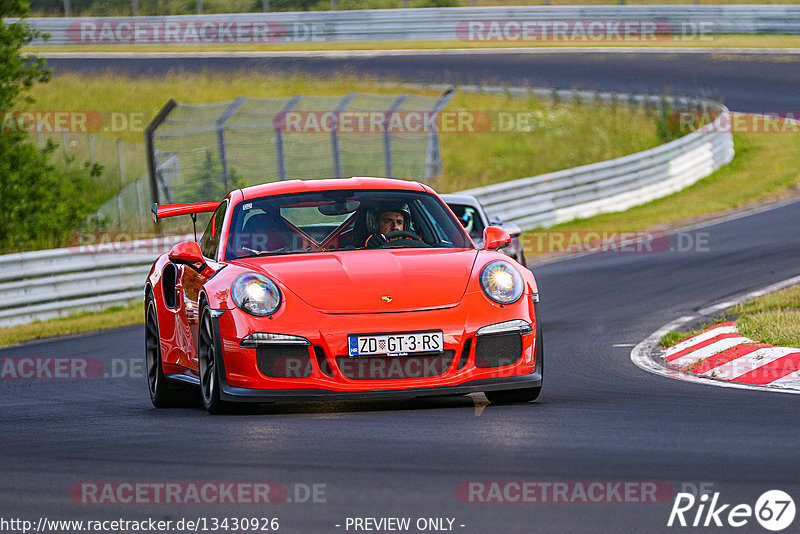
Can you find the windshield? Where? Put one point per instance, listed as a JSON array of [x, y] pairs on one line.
[[469, 218], [341, 220]]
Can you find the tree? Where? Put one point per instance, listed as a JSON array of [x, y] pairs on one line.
[[38, 207]]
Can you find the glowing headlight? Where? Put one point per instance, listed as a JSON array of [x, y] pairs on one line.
[[501, 282], [256, 294]]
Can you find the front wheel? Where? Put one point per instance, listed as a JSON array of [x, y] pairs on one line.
[[515, 396], [208, 360], [161, 394]]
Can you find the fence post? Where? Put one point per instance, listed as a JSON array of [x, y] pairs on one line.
[[220, 125], [40, 138], [163, 181], [433, 157], [91, 149], [142, 211], [67, 10], [135, 7], [265, 5], [387, 146], [199, 7], [278, 125], [121, 156], [149, 133], [337, 156]]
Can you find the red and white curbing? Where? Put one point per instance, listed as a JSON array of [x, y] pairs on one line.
[[721, 353]]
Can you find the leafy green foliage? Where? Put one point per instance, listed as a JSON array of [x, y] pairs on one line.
[[39, 206], [208, 184]]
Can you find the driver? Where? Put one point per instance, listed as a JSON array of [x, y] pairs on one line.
[[387, 218]]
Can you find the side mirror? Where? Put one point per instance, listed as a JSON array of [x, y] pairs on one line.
[[188, 253], [495, 237]]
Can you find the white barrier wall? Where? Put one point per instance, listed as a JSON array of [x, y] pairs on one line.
[[505, 23]]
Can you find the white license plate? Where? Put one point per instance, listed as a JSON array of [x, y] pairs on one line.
[[395, 344]]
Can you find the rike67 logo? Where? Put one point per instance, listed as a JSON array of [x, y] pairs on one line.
[[774, 510]]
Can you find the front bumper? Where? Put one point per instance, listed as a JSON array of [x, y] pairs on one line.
[[241, 381], [230, 393]]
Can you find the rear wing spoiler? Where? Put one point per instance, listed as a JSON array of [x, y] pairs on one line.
[[173, 210]]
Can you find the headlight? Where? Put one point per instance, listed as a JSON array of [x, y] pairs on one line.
[[256, 294], [501, 282]]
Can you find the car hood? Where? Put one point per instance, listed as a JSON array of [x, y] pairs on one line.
[[372, 281]]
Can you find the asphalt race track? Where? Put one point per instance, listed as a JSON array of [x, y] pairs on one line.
[[600, 418], [755, 82]]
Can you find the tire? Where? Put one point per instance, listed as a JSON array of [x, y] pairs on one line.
[[208, 363], [161, 394], [517, 396]]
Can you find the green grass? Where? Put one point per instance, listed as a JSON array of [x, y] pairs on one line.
[[785, 300], [776, 328], [772, 319], [77, 323], [711, 41], [672, 338], [564, 135], [765, 167]]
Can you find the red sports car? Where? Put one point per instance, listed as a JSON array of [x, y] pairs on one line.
[[362, 288]]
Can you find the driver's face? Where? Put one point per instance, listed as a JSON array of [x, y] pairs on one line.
[[390, 221]]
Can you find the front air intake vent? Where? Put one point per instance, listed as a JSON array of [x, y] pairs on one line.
[[284, 361], [497, 350]]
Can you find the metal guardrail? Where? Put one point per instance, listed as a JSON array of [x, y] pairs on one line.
[[613, 185], [50, 283], [45, 284], [501, 23]]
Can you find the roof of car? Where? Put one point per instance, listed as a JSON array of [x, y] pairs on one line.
[[302, 186], [468, 200]]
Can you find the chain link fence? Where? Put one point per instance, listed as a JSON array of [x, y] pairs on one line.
[[200, 152]]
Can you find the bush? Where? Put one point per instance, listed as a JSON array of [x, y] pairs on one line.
[[40, 206]]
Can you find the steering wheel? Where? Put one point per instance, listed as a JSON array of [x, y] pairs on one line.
[[404, 239]]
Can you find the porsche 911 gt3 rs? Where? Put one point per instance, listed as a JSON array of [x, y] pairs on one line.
[[361, 288]]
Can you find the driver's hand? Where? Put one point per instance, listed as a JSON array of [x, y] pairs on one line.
[[376, 241]]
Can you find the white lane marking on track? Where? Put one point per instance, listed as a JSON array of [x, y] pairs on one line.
[[705, 336], [624, 345], [748, 362], [641, 353], [709, 350]]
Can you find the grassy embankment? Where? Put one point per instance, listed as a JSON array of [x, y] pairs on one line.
[[773, 319]]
